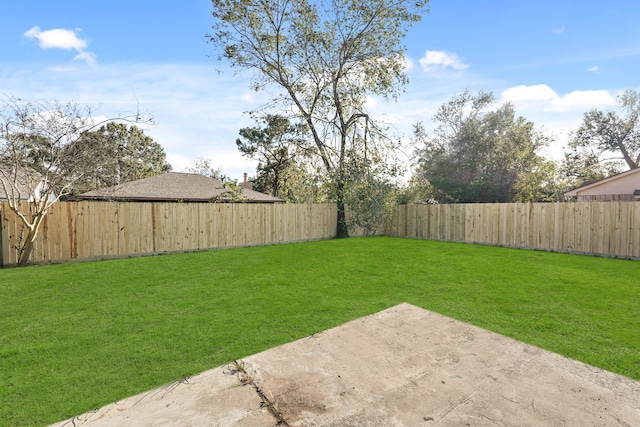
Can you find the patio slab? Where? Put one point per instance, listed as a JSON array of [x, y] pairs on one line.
[[404, 366]]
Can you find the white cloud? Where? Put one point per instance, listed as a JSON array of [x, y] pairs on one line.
[[542, 98], [536, 93], [60, 38], [559, 30], [594, 69], [57, 38], [439, 62], [584, 100], [408, 63], [88, 57]]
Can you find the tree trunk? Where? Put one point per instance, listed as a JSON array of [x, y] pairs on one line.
[[626, 156], [25, 251], [27, 247], [342, 230]]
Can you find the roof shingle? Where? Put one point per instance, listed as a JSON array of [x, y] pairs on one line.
[[174, 186]]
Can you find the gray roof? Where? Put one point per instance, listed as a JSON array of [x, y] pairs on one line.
[[22, 185], [174, 186]]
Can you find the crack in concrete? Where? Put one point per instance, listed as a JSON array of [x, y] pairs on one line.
[[239, 369]]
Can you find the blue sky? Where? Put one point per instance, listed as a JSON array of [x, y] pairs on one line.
[[554, 60]]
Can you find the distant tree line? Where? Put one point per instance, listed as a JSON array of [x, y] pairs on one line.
[[475, 152], [479, 154]]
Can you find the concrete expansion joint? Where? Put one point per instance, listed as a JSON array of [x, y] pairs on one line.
[[238, 368]]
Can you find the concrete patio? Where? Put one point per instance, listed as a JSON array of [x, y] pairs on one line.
[[404, 366]]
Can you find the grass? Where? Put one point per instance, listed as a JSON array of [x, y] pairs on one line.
[[78, 336]]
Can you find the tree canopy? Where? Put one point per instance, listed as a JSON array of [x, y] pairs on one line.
[[475, 154], [119, 153], [606, 142], [326, 57], [280, 147]]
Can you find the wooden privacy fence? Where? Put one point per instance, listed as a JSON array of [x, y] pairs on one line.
[[603, 228], [91, 230]]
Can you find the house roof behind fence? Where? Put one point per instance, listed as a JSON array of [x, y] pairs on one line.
[[175, 186], [622, 183], [21, 185]]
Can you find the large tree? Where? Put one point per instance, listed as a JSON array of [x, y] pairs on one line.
[[326, 57], [475, 154], [39, 158], [120, 153], [371, 193], [606, 142], [280, 149]]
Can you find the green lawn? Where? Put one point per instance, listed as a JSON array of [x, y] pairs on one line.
[[77, 336]]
